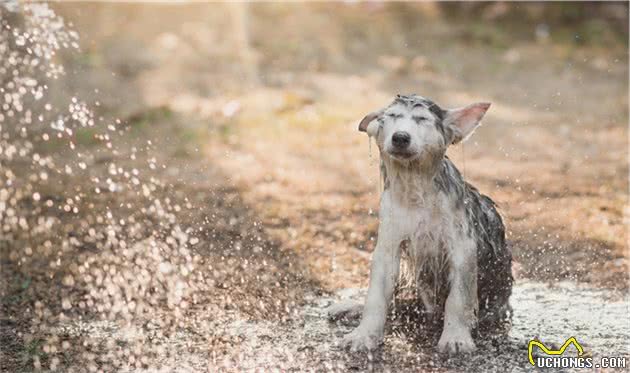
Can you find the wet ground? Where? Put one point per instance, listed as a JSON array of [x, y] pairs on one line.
[[209, 227], [596, 318]]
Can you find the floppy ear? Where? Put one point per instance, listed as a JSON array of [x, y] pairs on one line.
[[464, 121], [363, 126]]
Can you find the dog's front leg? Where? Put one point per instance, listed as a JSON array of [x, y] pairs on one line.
[[383, 275], [460, 313]]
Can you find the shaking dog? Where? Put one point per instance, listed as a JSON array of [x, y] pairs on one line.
[[449, 238]]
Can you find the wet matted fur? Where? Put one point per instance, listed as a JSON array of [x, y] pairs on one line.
[[494, 259], [438, 235]]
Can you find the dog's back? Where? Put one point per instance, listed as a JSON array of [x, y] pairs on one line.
[[494, 260]]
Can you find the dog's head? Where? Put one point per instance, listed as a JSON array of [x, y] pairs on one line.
[[413, 128]]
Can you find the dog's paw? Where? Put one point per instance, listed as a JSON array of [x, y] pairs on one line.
[[350, 310], [456, 341], [361, 340]]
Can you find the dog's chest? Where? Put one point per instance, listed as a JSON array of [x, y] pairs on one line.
[[433, 230], [425, 238], [426, 255]]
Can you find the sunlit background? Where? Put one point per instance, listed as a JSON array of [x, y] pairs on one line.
[[182, 185]]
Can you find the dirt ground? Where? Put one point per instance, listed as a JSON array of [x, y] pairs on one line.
[[252, 113]]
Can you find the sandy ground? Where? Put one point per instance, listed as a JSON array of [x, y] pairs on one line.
[[281, 190]]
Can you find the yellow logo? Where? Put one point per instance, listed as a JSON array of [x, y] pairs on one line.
[[533, 342]]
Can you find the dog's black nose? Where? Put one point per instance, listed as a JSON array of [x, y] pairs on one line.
[[401, 139]]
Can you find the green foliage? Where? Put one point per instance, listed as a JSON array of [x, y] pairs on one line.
[[31, 350], [18, 291], [145, 118]]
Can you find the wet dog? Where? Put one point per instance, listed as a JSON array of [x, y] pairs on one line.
[[450, 237]]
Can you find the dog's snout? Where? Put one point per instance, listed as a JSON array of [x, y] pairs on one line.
[[401, 139]]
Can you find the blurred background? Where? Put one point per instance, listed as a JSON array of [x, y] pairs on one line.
[[280, 87], [243, 117]]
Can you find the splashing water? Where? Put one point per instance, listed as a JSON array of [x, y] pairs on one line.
[[59, 216]]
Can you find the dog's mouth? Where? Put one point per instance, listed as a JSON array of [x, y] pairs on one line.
[[402, 155]]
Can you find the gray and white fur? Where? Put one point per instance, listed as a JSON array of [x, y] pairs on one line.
[[451, 237]]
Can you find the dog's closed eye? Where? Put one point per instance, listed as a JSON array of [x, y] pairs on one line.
[[394, 115], [419, 119]]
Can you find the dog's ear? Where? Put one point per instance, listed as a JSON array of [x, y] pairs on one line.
[[363, 126], [464, 121]]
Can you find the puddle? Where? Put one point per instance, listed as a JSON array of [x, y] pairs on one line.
[[597, 318]]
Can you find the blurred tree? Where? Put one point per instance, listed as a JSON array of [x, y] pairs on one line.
[[240, 23]]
